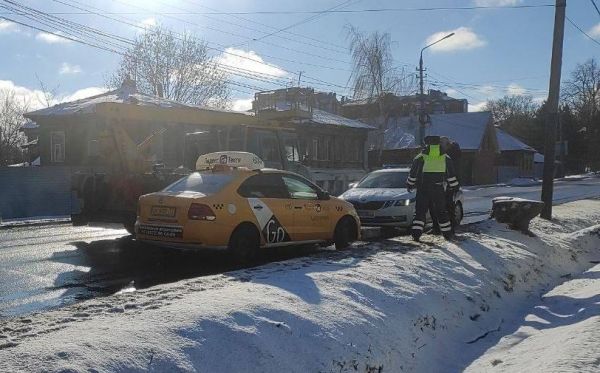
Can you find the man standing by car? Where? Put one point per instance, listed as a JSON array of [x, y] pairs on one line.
[[430, 170]]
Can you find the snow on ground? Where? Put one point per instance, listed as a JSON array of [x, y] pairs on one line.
[[560, 334], [388, 306]]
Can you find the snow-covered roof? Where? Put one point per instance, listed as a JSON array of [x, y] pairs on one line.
[[324, 117], [29, 125], [538, 158], [467, 129], [125, 94], [507, 142]]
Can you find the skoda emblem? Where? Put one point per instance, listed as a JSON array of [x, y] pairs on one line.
[[160, 200]]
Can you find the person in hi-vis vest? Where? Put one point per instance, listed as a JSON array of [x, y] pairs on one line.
[[431, 173]]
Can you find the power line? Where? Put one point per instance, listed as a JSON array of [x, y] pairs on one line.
[[224, 51], [340, 50], [284, 12], [595, 6], [583, 32], [248, 20], [306, 20], [243, 36]]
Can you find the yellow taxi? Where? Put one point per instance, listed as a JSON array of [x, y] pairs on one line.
[[233, 202]]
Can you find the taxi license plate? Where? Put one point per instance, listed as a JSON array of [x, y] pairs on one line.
[[161, 231], [163, 211], [365, 214]]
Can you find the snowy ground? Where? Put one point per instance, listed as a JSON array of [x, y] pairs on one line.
[[561, 333], [389, 306]]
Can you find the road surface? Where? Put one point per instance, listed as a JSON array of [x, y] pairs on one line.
[[48, 266]]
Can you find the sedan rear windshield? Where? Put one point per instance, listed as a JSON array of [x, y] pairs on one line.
[[384, 180], [203, 182]]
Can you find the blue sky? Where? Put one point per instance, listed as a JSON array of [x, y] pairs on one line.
[[495, 51]]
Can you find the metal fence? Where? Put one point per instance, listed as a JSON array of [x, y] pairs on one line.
[[35, 192]]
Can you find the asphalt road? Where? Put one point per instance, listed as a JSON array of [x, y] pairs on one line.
[[43, 267]]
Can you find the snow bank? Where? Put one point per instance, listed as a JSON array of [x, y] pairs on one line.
[[390, 306], [560, 334]]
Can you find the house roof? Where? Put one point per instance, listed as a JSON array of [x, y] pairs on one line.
[[125, 94], [467, 129], [507, 142], [324, 117]]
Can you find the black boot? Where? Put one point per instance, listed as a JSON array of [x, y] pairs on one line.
[[416, 236]]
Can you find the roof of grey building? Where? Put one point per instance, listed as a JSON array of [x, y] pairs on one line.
[[467, 129]]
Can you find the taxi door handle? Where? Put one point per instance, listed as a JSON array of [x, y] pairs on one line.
[[258, 207]]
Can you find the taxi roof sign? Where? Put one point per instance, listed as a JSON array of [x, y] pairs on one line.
[[231, 159]]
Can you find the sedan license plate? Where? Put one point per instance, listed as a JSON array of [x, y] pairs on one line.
[[158, 231], [163, 211], [365, 214]]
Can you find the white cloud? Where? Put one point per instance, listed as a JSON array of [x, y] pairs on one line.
[[242, 104], [31, 97], [477, 107], [240, 59], [83, 93], [35, 97], [464, 39], [496, 2], [52, 38], [515, 89], [148, 23], [68, 69], [595, 31], [6, 26]]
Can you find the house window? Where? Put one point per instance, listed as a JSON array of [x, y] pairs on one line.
[[57, 146], [315, 148]]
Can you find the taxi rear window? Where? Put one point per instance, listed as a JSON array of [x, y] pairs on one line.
[[203, 182]]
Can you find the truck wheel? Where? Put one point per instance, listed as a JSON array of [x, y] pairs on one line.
[[244, 244], [345, 233]]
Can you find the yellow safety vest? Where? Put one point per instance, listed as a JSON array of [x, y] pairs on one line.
[[434, 161]]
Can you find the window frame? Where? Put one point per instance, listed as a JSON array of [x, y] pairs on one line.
[[279, 184], [318, 191], [62, 146]]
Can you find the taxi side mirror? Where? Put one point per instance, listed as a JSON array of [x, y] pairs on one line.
[[324, 195]]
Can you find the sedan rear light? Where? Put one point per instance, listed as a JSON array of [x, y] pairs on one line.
[[199, 211]]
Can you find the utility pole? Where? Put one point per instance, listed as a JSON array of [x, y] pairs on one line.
[[551, 122], [299, 77], [421, 103], [422, 113]]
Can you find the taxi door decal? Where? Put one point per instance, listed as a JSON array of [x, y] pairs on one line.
[[271, 228]]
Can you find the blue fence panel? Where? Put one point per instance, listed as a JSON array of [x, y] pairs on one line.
[[34, 191]]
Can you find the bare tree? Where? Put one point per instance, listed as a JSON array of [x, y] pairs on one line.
[[582, 93], [174, 67], [373, 70], [11, 119], [48, 96], [520, 116], [582, 90]]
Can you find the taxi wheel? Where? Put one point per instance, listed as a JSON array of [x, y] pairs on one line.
[[244, 244], [345, 233]]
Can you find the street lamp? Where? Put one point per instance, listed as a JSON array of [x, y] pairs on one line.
[[422, 94]]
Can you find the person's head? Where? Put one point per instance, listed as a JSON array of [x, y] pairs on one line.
[[432, 140]]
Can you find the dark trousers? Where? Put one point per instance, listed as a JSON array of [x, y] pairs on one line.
[[431, 197], [450, 207]]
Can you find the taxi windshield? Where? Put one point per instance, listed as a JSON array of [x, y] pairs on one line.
[[386, 179], [202, 182]]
